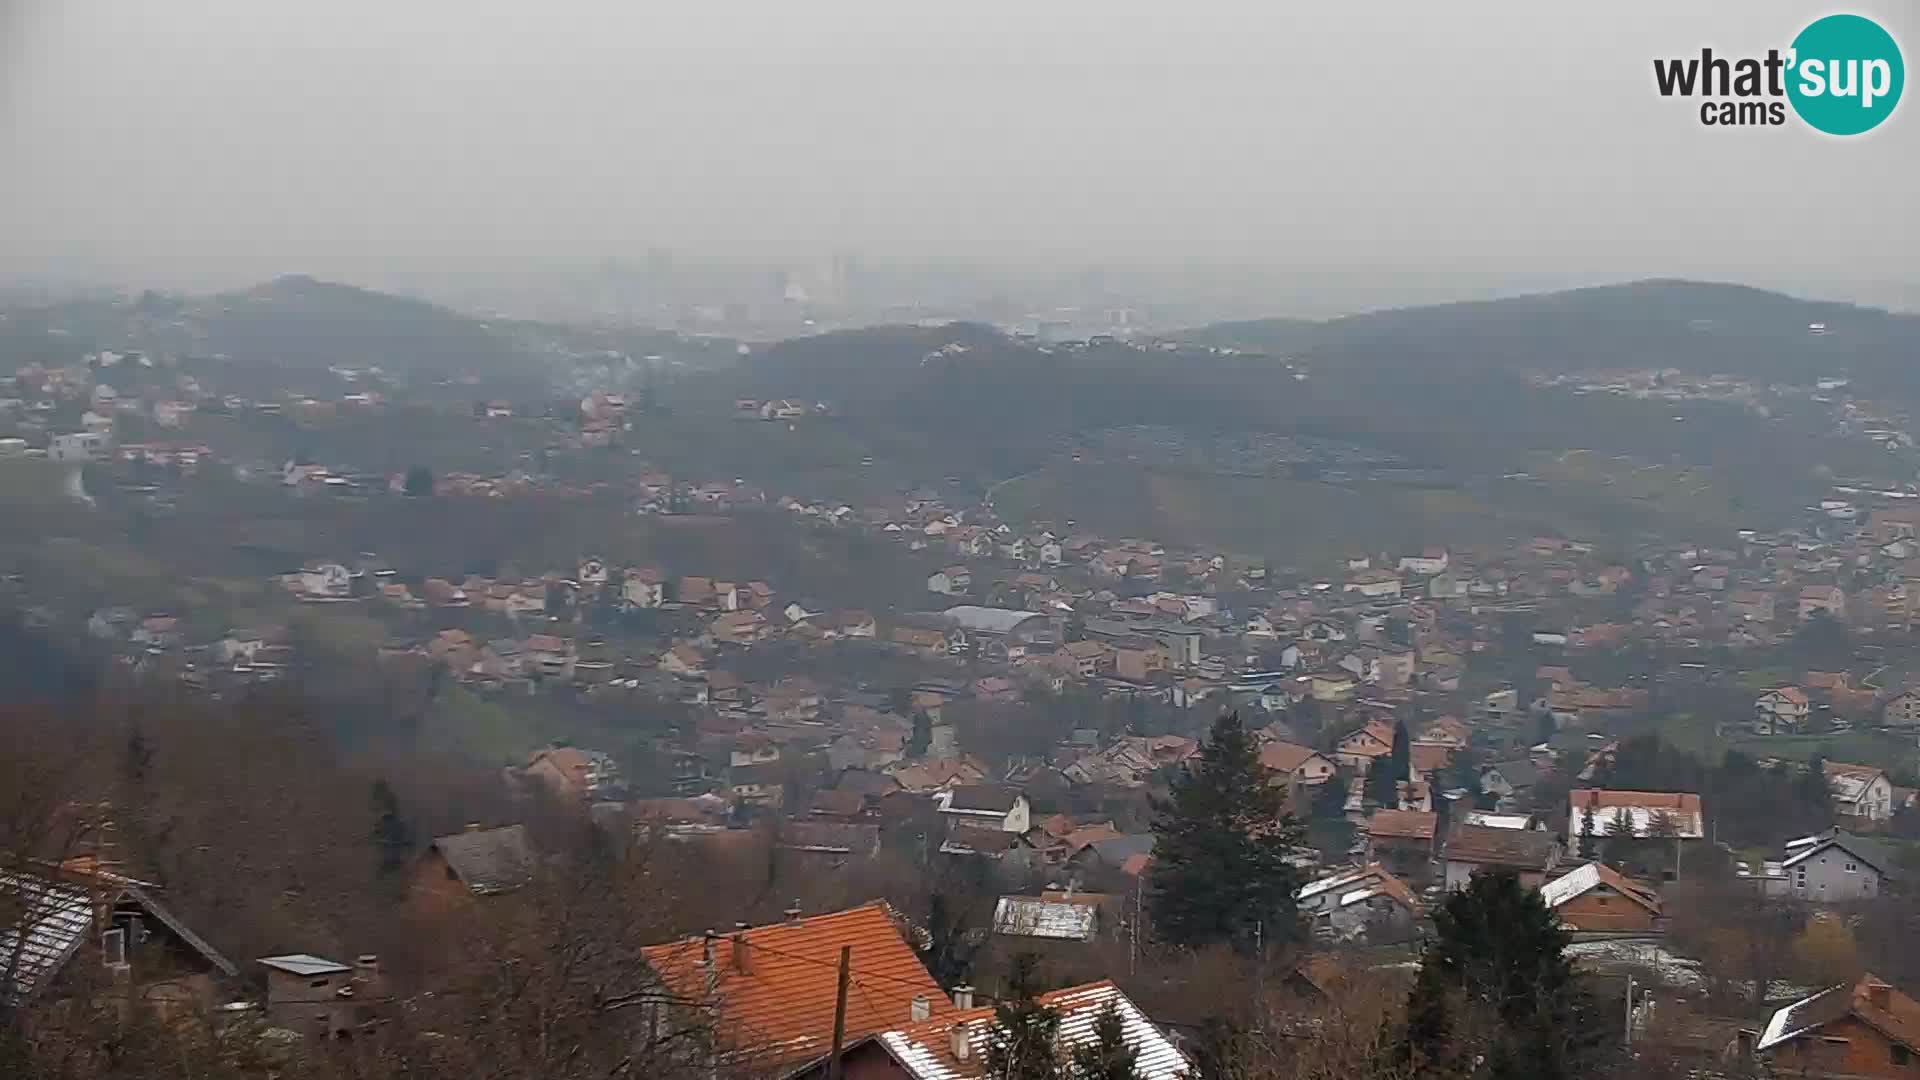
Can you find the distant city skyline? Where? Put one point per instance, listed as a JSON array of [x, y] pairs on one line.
[[234, 139]]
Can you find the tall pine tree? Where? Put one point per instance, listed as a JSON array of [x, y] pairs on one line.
[[1025, 1040], [392, 837], [1221, 841], [1496, 994], [1384, 774]]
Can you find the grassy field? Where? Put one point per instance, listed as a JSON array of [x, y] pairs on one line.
[[1310, 524], [1693, 734]]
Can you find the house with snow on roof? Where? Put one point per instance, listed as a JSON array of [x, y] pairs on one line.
[[1864, 1029], [1355, 903], [1596, 898], [1651, 813], [1862, 794], [1836, 867], [951, 1040], [985, 806]]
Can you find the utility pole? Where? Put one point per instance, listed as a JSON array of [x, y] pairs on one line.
[[1260, 948], [1133, 937], [839, 1013], [1629, 1032]]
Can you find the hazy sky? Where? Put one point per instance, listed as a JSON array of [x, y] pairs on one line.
[[1495, 133]]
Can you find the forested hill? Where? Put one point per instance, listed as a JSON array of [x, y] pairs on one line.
[[1691, 325]]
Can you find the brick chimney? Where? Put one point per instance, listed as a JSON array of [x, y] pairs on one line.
[[366, 972], [742, 953], [922, 1008], [1880, 996], [963, 996], [707, 944], [962, 1045]]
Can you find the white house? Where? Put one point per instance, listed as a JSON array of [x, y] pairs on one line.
[[1375, 584], [951, 581], [1781, 711], [77, 446], [1431, 561], [1860, 792], [645, 588], [985, 806], [328, 581]]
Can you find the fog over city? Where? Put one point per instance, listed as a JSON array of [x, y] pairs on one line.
[[1505, 146]]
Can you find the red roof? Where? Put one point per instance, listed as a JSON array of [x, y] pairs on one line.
[[780, 1007], [1285, 756], [1428, 757], [1405, 824]]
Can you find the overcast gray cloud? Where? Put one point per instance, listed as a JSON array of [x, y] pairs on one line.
[[1499, 133]]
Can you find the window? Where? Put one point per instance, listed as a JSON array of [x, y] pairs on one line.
[[113, 948], [1898, 1054], [1853, 868], [318, 984]]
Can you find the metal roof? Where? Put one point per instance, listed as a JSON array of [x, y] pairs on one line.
[[54, 920], [986, 620], [1059, 920], [303, 964]]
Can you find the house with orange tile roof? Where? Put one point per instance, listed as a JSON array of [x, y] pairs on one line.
[[1598, 898], [768, 992], [1357, 749], [950, 1042], [1403, 842], [1293, 763], [1865, 1029]]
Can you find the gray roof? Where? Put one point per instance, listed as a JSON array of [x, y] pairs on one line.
[[986, 620], [981, 799], [1874, 853], [1520, 772], [830, 837], [172, 922], [304, 964], [58, 917], [1060, 920], [489, 860], [54, 919], [1121, 848]]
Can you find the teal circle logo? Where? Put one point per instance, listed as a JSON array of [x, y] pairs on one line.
[[1845, 75]]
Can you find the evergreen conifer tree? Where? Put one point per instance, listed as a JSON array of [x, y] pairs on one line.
[[1108, 1056], [1222, 840]]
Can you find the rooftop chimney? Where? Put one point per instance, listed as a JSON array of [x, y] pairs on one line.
[[707, 941], [366, 971], [1880, 996], [473, 826], [742, 958], [922, 1008], [963, 996], [793, 913], [962, 1047]]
